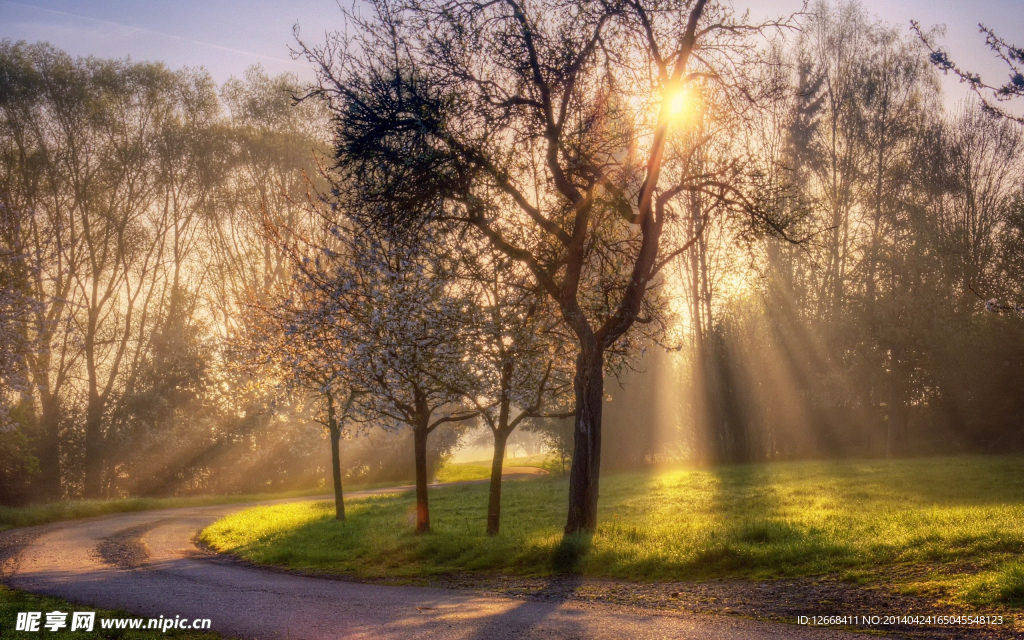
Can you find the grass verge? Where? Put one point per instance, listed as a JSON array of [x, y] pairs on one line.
[[11, 602], [12, 517], [481, 469], [950, 527]]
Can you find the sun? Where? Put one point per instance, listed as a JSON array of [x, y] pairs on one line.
[[682, 104]]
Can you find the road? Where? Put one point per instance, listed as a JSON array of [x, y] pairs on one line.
[[147, 563]]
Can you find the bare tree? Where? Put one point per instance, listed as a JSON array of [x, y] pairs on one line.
[[546, 127]]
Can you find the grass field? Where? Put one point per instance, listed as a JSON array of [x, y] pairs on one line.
[[950, 528], [11, 517], [481, 469], [11, 602]]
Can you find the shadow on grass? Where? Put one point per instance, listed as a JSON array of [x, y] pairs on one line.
[[568, 555], [758, 521], [754, 533]]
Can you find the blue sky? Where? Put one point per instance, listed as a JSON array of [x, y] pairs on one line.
[[226, 36], [223, 36]]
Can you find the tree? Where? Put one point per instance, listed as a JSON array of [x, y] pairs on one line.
[[14, 305], [517, 358], [85, 154], [17, 464], [395, 309], [547, 127], [990, 95], [557, 434], [121, 237], [302, 339], [35, 126]]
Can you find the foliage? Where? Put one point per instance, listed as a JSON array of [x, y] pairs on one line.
[[150, 188], [17, 466]]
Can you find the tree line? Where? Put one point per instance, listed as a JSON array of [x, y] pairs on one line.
[[894, 328], [133, 200], [874, 337]]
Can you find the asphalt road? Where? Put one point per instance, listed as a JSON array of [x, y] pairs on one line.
[[147, 563]]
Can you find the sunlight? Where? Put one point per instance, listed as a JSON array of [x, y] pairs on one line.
[[682, 104]]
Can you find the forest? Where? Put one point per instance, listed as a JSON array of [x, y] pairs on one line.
[[215, 289]]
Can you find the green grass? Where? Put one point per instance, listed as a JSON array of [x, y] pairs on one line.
[[11, 602], [481, 469], [463, 471], [11, 517], [856, 520], [1002, 585]]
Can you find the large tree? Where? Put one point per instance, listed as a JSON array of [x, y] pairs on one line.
[[552, 128]]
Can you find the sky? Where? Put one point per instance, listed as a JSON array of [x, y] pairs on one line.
[[227, 36]]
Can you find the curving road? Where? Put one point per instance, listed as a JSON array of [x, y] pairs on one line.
[[155, 569]]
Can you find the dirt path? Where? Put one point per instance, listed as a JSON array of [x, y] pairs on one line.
[[148, 564]]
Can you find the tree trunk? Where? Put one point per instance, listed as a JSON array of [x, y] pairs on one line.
[[93, 449], [422, 507], [586, 456], [494, 497], [332, 426], [49, 447], [897, 414], [339, 498]]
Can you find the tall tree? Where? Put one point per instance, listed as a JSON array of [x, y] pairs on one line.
[[297, 334], [544, 126]]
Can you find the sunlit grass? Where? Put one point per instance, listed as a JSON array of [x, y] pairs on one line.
[[1002, 585], [481, 469], [851, 519], [462, 472]]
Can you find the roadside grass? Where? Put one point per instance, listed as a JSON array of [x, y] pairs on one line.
[[463, 472], [11, 517], [951, 528], [11, 602], [481, 469], [1002, 585]]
